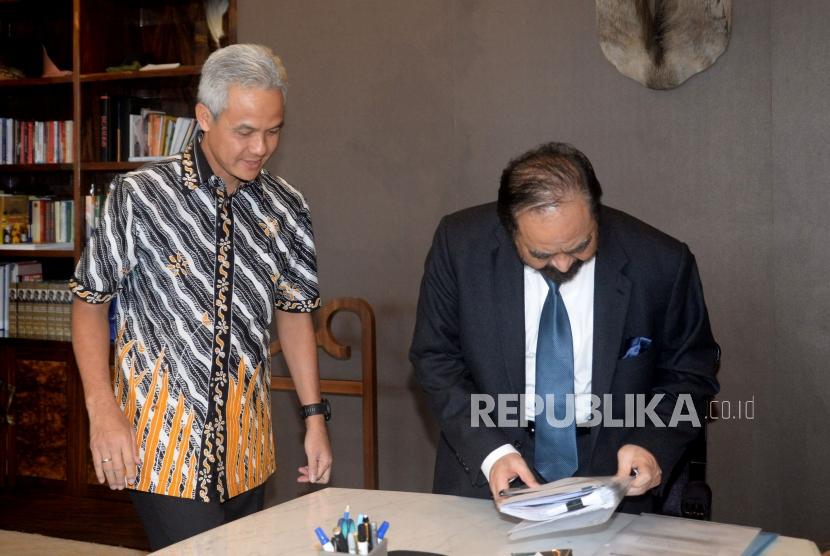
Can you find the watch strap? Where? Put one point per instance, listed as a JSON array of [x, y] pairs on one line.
[[321, 408]]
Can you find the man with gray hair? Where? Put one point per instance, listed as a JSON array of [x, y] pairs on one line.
[[202, 250]]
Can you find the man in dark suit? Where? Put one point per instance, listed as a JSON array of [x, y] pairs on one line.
[[549, 292]]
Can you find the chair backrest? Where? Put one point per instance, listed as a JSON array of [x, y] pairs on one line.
[[686, 493], [365, 387]]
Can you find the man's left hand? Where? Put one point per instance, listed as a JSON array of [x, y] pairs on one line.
[[318, 452], [649, 474]]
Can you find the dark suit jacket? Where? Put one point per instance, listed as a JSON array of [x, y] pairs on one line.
[[469, 338]]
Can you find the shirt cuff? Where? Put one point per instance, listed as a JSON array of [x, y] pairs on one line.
[[304, 306], [492, 458], [90, 296]]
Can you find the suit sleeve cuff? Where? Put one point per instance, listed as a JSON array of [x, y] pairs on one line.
[[494, 456]]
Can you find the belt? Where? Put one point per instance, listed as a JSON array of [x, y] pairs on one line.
[[580, 430]]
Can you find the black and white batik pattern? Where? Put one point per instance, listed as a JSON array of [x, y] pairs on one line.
[[197, 274]]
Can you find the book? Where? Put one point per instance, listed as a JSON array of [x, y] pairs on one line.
[[157, 134], [4, 297], [14, 218], [155, 67], [69, 140], [12, 309], [39, 309], [27, 271], [104, 134]]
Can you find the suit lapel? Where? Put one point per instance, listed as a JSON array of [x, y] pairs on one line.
[[612, 290], [508, 290]]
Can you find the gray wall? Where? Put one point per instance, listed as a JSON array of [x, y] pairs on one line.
[[402, 111]]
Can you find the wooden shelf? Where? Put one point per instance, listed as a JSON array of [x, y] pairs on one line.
[[111, 166], [37, 343], [125, 75], [39, 481], [36, 81], [36, 167], [41, 251]]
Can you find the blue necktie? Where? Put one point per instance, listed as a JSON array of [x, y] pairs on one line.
[[555, 446]]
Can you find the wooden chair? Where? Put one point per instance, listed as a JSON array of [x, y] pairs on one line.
[[365, 387]]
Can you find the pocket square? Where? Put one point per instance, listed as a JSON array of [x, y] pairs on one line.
[[636, 346]]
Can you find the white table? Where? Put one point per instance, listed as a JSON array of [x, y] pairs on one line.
[[444, 524]]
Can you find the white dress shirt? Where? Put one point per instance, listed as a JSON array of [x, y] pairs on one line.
[[578, 295]]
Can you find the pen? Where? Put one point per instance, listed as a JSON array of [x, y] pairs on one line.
[[384, 527], [352, 540], [325, 543], [346, 513]]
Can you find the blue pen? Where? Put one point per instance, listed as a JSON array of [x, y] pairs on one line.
[[325, 543], [382, 530], [346, 513]]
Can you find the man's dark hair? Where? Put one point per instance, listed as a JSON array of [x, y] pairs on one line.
[[545, 177]]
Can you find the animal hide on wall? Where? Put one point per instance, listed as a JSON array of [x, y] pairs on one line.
[[661, 43]]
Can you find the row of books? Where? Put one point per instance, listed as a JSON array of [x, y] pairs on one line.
[[136, 129], [28, 219], [30, 142], [31, 307], [165, 135], [39, 310]]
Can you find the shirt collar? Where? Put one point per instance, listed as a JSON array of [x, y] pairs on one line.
[[584, 278], [196, 170], [203, 169]]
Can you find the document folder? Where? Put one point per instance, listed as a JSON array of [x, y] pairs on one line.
[[570, 503]]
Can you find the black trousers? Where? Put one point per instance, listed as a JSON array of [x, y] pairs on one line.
[[168, 519]]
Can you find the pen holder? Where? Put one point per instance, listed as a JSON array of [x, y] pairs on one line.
[[380, 550]]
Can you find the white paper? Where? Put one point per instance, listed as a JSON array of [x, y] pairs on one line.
[[570, 503], [657, 535]]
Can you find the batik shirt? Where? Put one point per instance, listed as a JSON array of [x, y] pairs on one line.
[[197, 274]]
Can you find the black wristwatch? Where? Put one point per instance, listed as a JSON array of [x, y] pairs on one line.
[[323, 408]]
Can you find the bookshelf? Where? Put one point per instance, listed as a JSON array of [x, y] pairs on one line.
[[85, 37]]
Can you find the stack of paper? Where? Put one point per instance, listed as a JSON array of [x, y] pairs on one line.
[[657, 535], [569, 503]]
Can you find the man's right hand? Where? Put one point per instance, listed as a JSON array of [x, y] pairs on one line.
[[113, 446], [506, 469]]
